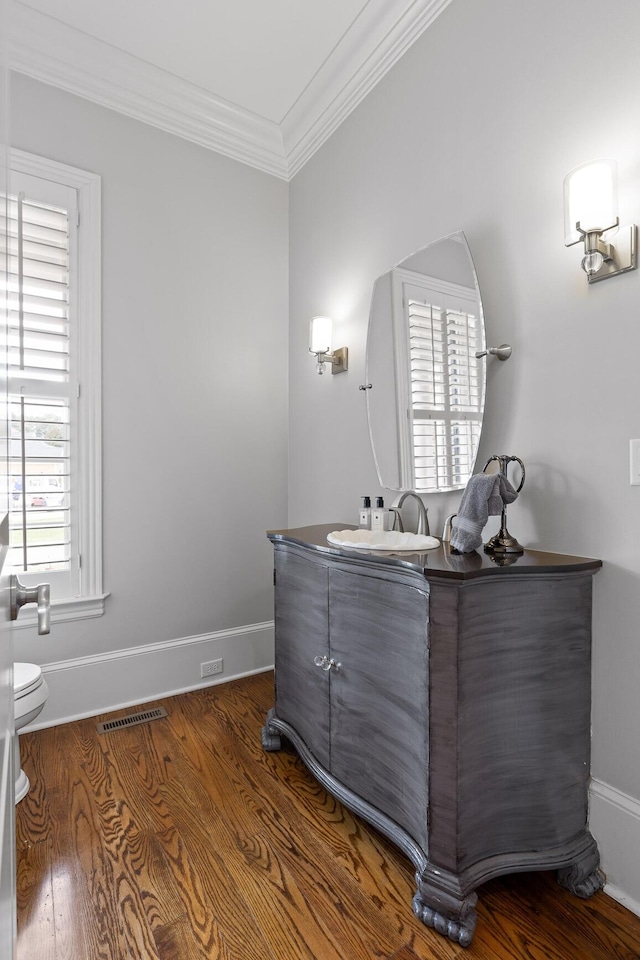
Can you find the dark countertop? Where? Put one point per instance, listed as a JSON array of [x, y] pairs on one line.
[[441, 561]]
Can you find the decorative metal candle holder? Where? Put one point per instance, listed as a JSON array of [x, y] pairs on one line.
[[503, 543]]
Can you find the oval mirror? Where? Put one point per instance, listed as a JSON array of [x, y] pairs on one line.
[[425, 402]]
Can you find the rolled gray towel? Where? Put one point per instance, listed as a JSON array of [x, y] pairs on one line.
[[483, 497]]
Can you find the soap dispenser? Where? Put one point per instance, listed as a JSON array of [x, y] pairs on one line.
[[380, 518], [365, 514]]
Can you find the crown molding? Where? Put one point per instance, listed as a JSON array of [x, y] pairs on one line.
[[381, 35], [50, 51], [54, 53]]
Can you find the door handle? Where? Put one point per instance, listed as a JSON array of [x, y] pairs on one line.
[[19, 595]]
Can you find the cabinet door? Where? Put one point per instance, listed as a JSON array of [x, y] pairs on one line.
[[301, 620], [379, 694]]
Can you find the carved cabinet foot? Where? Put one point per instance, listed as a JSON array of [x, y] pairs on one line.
[[584, 877], [453, 917], [271, 739]]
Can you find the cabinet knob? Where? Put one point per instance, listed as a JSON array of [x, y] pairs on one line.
[[326, 664]]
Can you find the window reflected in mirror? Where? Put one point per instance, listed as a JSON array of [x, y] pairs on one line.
[[426, 401]]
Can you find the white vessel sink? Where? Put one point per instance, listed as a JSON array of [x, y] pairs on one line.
[[390, 540]]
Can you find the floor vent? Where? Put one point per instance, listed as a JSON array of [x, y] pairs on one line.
[[132, 719]]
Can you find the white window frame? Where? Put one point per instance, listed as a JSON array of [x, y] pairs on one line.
[[88, 481]]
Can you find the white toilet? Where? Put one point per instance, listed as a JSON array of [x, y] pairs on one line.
[[30, 694]]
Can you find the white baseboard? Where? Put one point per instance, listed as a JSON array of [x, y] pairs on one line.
[[86, 686], [614, 821]]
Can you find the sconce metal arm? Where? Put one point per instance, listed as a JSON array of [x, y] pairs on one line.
[[616, 258], [339, 359]]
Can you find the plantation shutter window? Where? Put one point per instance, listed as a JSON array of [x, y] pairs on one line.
[[446, 387], [40, 385], [53, 367]]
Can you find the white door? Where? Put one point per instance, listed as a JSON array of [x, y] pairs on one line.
[[7, 806], [7, 809]]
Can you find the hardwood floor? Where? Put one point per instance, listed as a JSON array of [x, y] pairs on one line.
[[181, 839]]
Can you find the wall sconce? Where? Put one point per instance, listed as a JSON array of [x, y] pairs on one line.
[[590, 211], [320, 330]]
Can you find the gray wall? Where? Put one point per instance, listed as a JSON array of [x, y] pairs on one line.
[[475, 129], [195, 376]]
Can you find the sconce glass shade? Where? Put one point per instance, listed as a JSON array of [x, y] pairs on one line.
[[590, 199], [320, 330]]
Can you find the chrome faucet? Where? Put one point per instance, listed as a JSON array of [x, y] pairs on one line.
[[448, 528], [423, 522]]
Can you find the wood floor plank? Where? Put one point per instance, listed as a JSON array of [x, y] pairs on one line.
[[542, 922], [301, 793], [366, 891], [35, 903], [109, 857], [404, 953], [199, 882], [176, 940], [220, 919], [33, 826], [256, 808], [183, 840], [363, 854], [261, 876], [155, 778], [85, 887], [274, 870]]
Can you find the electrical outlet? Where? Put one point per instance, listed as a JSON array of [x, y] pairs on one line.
[[212, 666], [634, 462]]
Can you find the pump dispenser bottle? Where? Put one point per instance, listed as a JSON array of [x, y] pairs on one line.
[[365, 514], [380, 518]]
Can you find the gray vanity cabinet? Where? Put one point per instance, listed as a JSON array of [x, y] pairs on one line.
[[446, 700]]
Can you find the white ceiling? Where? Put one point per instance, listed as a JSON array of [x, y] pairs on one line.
[[259, 55], [263, 82]]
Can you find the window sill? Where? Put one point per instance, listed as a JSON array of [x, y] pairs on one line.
[[77, 608]]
